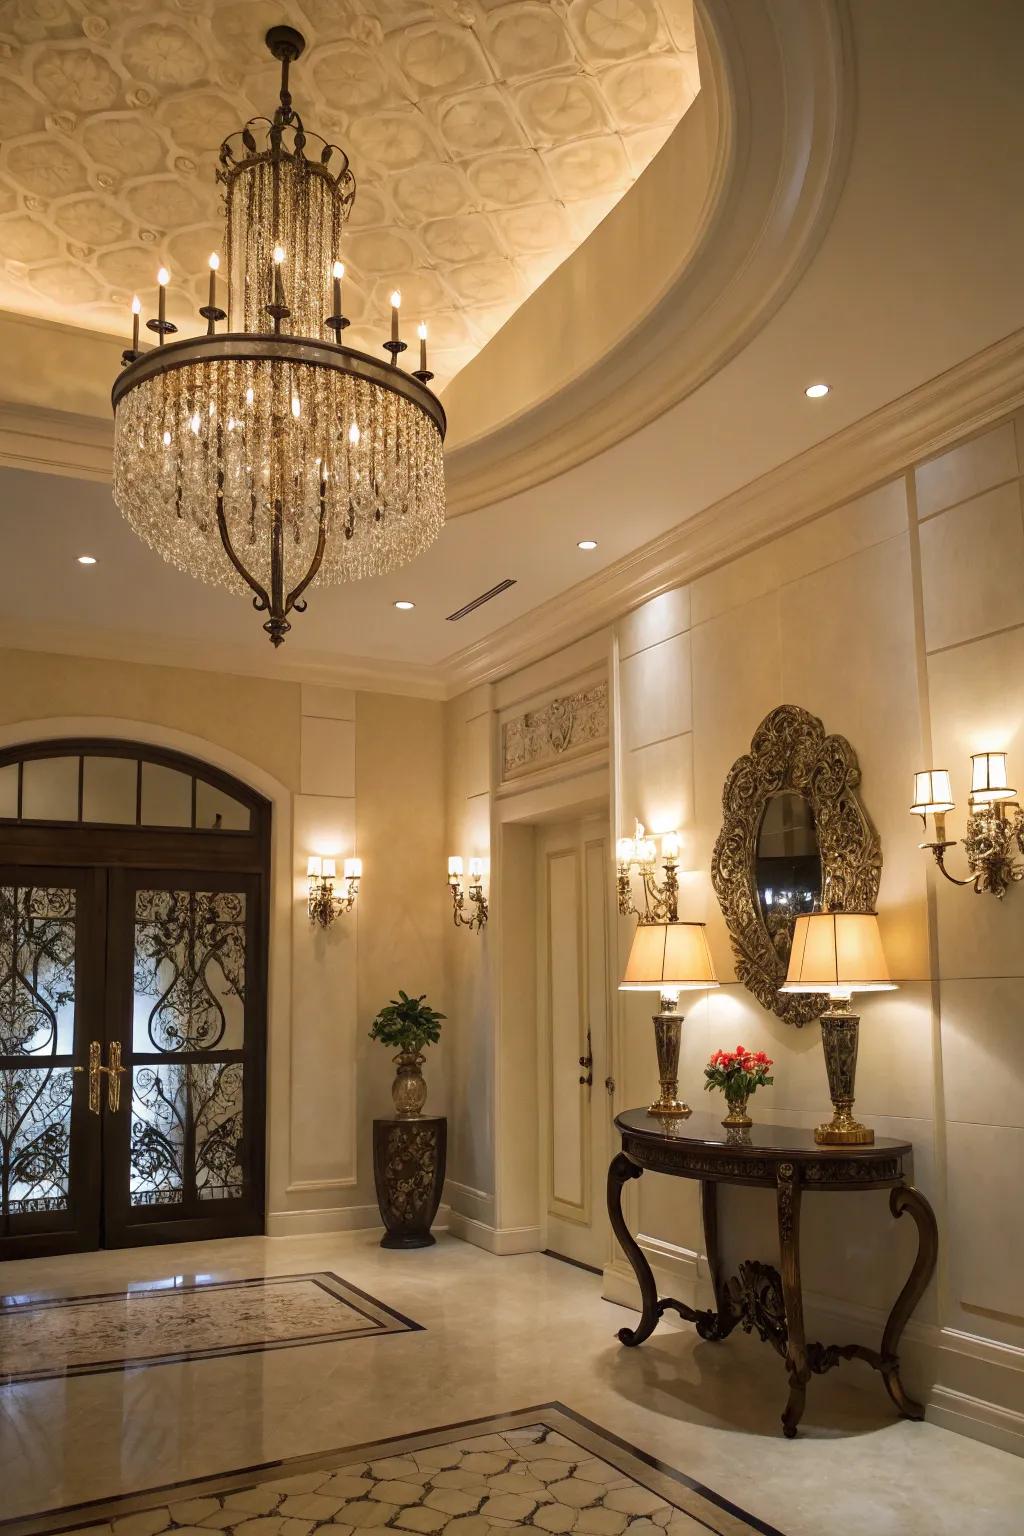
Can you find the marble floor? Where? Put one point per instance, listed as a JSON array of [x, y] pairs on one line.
[[498, 1336]]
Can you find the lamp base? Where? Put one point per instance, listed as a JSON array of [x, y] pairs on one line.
[[669, 1108], [840, 1029], [843, 1131], [668, 1029]]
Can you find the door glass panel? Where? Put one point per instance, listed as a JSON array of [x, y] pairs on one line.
[[189, 970], [166, 797], [109, 786], [217, 810], [189, 1003], [49, 789], [159, 1113], [217, 1101], [9, 791], [37, 1014]]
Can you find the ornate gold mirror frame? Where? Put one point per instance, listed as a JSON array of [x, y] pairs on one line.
[[790, 751]]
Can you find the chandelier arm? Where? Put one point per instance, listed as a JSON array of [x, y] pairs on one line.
[[318, 554], [262, 597]]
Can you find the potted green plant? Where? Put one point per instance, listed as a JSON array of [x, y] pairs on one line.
[[408, 1024]]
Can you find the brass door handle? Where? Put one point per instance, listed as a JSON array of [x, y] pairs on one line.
[[113, 1072]]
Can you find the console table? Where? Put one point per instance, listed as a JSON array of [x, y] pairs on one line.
[[760, 1299]]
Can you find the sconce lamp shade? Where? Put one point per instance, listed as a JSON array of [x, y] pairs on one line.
[[625, 850], [353, 869], [315, 865], [837, 953], [932, 793], [455, 865], [669, 957], [988, 777]]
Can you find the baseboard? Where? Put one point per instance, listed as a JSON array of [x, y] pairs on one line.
[[940, 1362], [475, 1204], [340, 1218], [972, 1416], [499, 1240]]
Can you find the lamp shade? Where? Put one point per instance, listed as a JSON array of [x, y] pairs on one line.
[[932, 793], [838, 953], [988, 777], [668, 957]]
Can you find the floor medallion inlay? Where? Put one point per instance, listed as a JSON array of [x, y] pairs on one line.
[[172, 1321], [545, 1469]]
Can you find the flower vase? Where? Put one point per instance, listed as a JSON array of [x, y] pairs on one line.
[[737, 1115], [409, 1091]]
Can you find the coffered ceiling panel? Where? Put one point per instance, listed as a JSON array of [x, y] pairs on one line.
[[488, 138]]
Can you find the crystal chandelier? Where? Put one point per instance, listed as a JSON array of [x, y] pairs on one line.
[[268, 456]]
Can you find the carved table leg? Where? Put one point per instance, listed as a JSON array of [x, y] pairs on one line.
[[619, 1172], [905, 1198], [788, 1190], [719, 1324]]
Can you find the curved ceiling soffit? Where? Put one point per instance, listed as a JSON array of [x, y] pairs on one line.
[[778, 87]]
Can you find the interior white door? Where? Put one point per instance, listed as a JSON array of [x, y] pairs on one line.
[[574, 895]]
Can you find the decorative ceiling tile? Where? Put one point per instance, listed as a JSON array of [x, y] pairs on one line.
[[125, 143], [528, 38], [561, 107], [476, 121], [469, 238], [27, 240], [391, 140], [437, 58], [90, 221], [502, 181], [616, 29], [538, 227], [78, 78], [488, 138], [165, 55], [485, 282], [352, 79], [46, 167], [430, 189], [587, 166], [648, 91]]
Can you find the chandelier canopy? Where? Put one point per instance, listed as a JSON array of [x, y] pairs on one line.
[[268, 456]]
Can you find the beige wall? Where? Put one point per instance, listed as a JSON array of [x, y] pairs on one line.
[[345, 772], [899, 619]]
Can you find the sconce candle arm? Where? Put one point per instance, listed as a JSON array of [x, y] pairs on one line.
[[661, 901], [477, 919], [994, 835]]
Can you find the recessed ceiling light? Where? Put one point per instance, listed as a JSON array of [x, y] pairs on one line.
[[404, 604], [816, 391], [87, 559], [587, 544]]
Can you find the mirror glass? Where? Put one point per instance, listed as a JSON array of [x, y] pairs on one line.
[[788, 867]]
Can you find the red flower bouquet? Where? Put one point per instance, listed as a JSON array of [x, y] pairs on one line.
[[738, 1073]]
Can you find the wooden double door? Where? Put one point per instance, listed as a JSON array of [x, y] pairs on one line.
[[132, 1038]]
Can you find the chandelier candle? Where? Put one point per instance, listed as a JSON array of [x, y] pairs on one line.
[[423, 348], [212, 465], [136, 312], [163, 277]]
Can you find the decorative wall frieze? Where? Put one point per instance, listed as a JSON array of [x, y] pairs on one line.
[[573, 723]]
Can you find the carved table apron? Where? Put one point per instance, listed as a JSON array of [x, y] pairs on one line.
[[759, 1298]]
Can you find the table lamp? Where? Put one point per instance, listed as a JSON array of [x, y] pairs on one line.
[[669, 958], [839, 953]]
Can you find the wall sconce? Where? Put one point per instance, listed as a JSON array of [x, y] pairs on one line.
[[640, 852], [994, 826], [475, 892], [321, 873]]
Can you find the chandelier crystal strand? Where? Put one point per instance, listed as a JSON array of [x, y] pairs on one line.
[[269, 458]]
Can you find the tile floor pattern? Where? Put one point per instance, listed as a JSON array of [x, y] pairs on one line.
[[172, 1321], [497, 1334], [543, 1470]]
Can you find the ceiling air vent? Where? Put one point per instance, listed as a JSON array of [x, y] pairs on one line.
[[478, 602]]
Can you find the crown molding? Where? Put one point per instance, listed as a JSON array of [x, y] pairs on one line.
[[955, 405], [56, 442], [362, 673]]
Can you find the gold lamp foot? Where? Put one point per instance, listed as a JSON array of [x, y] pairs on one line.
[[840, 1031]]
